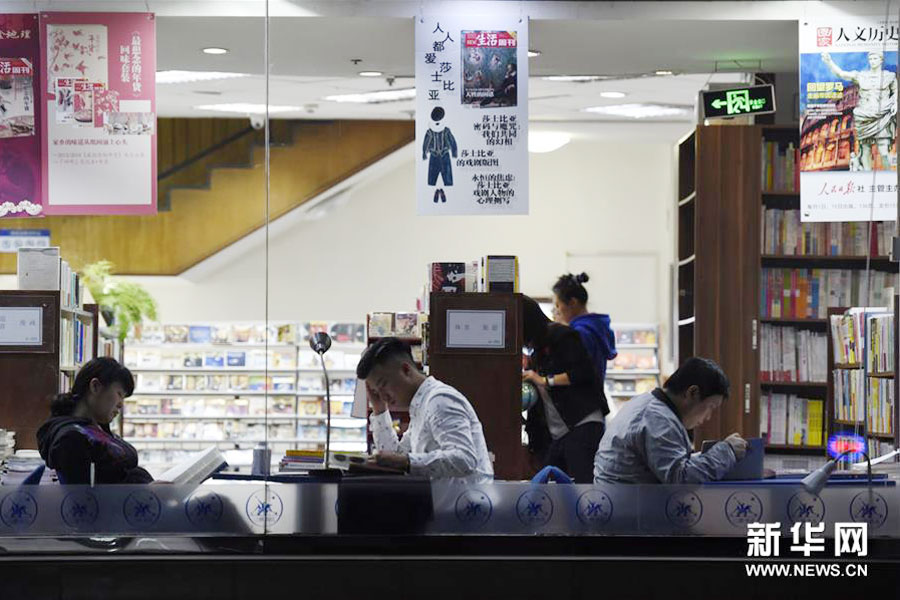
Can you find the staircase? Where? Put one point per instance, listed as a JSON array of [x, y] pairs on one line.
[[210, 203]]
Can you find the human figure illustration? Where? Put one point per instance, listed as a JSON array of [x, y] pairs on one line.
[[874, 116], [438, 147]]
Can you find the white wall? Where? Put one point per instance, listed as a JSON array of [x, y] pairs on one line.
[[369, 252]]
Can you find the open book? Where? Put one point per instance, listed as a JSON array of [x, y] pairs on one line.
[[196, 470]]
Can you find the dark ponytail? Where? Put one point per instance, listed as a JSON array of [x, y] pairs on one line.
[[569, 287], [105, 370]]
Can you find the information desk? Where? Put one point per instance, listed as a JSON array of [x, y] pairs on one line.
[[240, 539]]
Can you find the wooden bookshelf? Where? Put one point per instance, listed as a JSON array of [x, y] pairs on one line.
[[794, 384], [795, 448], [823, 322]]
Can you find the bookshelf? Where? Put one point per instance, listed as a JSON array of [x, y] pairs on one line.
[[222, 384], [636, 368], [867, 374], [745, 194]]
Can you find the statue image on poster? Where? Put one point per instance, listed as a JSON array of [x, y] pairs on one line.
[[874, 117], [490, 73], [439, 149]]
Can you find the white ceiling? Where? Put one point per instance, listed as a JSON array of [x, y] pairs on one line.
[[311, 58]]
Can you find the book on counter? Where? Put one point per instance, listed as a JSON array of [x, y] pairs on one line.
[[196, 469], [454, 277], [499, 274]]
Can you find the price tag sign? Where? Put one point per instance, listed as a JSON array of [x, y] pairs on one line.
[[21, 326], [476, 329]]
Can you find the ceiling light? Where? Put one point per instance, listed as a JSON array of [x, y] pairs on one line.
[[612, 94], [641, 111], [375, 97], [370, 73], [540, 142], [244, 108], [663, 73], [534, 53], [215, 50], [574, 78], [192, 76]]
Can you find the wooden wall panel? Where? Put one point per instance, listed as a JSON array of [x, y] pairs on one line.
[[727, 267], [203, 221]]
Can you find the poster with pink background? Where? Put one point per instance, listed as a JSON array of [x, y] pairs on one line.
[[98, 140], [20, 116]]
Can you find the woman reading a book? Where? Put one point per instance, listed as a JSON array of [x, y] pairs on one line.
[[565, 427], [76, 440]]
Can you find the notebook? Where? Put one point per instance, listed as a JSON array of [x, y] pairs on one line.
[[749, 467]]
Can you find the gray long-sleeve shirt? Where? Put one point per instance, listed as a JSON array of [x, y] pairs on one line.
[[646, 442]]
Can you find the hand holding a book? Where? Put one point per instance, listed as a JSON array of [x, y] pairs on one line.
[[738, 445], [375, 399]]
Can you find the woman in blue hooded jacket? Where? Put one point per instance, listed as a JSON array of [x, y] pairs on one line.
[[570, 308]]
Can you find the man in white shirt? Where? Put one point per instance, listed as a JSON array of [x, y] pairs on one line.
[[445, 439]]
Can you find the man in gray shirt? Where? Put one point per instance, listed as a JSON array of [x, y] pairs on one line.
[[647, 441]]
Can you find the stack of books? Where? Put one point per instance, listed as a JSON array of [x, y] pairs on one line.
[[880, 355], [789, 354], [779, 168]]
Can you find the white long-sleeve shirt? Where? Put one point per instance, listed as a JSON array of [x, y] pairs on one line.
[[444, 440]]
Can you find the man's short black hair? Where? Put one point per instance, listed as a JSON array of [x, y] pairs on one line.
[[702, 372], [382, 351]]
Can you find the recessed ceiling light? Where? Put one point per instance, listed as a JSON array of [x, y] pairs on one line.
[[534, 53], [574, 78], [641, 111], [663, 72], [612, 94], [375, 97], [192, 76], [540, 142], [370, 73], [244, 108], [214, 50]]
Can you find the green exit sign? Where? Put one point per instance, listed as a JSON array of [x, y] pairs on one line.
[[753, 100]]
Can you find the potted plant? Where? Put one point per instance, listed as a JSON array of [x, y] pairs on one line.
[[123, 304]]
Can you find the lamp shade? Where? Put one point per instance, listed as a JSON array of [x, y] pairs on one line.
[[815, 482]]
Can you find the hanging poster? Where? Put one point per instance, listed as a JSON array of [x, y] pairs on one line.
[[848, 119], [471, 115], [20, 113], [99, 137]]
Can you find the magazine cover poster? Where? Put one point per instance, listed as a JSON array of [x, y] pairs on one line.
[[20, 114], [471, 130], [490, 69], [848, 120]]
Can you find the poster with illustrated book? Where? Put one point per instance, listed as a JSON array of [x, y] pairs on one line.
[[98, 143], [471, 128], [848, 119], [20, 117]]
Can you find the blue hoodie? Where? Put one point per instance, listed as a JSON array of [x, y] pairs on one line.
[[598, 339]]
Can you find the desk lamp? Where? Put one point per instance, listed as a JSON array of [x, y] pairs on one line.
[[815, 481], [320, 343]]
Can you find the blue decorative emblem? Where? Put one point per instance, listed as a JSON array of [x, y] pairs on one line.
[[869, 507], [684, 509], [742, 508], [474, 507], [264, 507], [18, 510], [204, 509], [142, 508], [534, 508], [804, 507], [80, 510], [594, 508]]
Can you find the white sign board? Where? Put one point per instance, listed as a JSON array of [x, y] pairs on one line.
[[472, 115], [476, 329], [21, 326]]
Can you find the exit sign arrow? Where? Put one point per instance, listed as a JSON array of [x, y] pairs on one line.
[[718, 103]]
